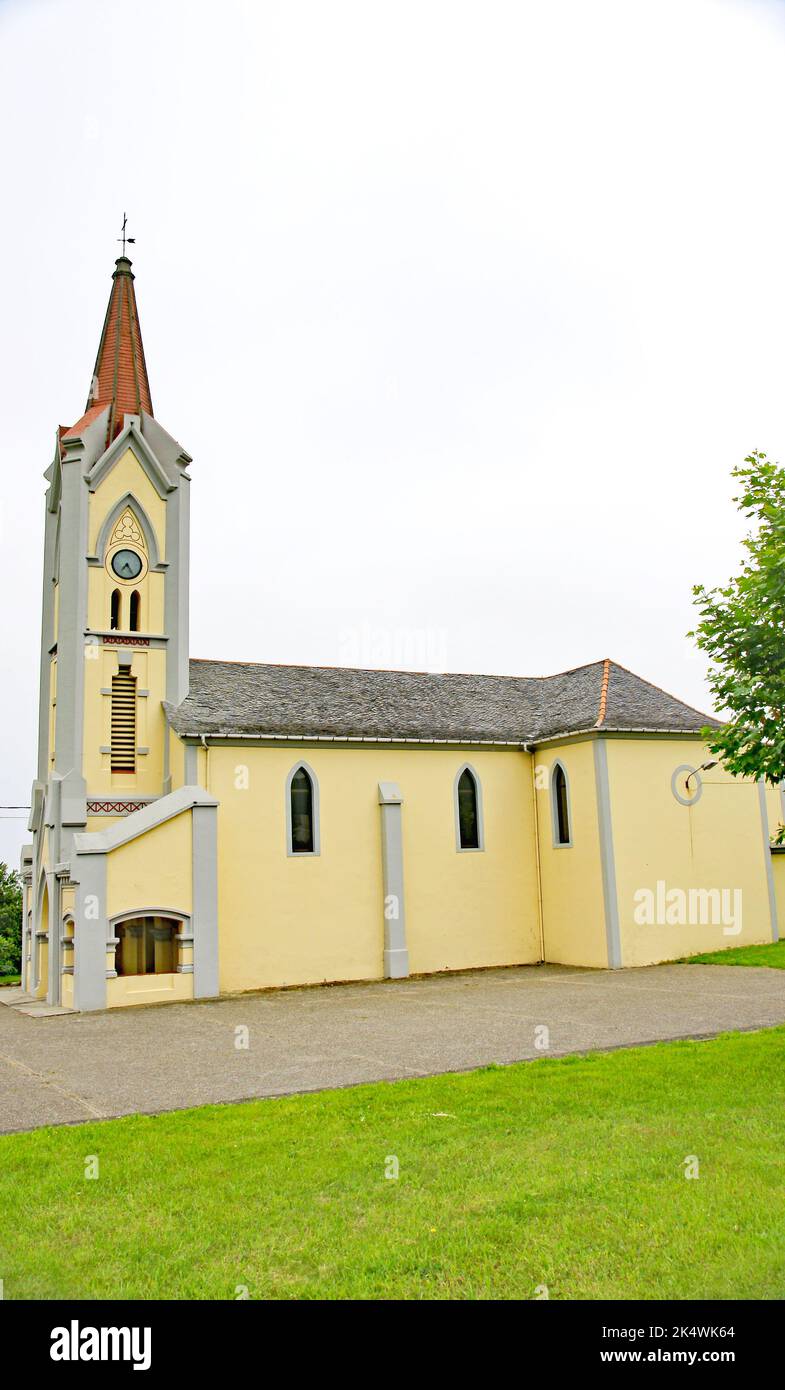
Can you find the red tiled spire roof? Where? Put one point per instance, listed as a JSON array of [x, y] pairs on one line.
[[120, 375]]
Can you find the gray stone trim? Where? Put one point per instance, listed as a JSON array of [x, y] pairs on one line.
[[191, 764], [764, 820], [47, 638], [176, 590], [55, 950], [35, 931], [90, 442], [139, 822], [170, 453], [26, 928], [607, 858], [557, 843], [396, 955], [37, 807], [130, 438], [166, 786], [92, 931], [204, 921], [315, 810], [589, 735], [175, 913], [466, 849], [69, 711], [110, 521]]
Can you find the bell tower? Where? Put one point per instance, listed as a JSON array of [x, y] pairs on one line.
[[114, 633]]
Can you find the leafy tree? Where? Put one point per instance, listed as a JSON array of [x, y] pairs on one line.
[[10, 921], [742, 631]]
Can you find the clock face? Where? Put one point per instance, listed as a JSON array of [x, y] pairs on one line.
[[126, 564]]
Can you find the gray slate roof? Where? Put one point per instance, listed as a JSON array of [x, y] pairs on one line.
[[244, 699]]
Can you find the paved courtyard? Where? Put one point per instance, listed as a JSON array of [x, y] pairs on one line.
[[71, 1067]]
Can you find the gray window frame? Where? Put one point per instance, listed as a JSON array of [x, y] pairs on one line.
[[479, 848], [315, 812], [557, 843]]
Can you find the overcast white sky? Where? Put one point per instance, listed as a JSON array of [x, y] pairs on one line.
[[464, 310]]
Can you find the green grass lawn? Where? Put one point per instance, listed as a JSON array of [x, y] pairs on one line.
[[568, 1173], [9, 980], [772, 954]]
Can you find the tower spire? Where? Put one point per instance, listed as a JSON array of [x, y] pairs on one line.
[[120, 373]]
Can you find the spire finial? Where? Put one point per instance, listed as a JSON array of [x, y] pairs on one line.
[[120, 374], [130, 239]]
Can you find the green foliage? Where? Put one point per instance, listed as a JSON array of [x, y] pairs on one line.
[[10, 921], [742, 631]]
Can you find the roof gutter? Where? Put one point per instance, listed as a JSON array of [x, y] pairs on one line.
[[354, 738], [526, 745]]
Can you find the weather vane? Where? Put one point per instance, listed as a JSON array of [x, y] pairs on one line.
[[130, 239]]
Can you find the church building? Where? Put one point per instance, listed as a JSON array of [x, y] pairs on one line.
[[206, 827]]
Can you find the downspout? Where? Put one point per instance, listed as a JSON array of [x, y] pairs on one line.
[[203, 739], [529, 748]]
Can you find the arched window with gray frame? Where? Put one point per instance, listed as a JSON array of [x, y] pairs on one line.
[[467, 797], [302, 811], [560, 806]]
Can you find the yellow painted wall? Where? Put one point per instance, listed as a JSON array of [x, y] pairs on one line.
[[153, 871], [127, 475], [572, 894], [148, 989], [717, 843], [99, 601], [148, 664], [469, 909], [298, 919]]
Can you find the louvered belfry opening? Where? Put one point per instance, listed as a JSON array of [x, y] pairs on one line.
[[124, 721]]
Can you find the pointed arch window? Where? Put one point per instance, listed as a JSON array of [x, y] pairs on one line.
[[468, 810], [560, 806], [136, 604], [114, 615], [302, 811]]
